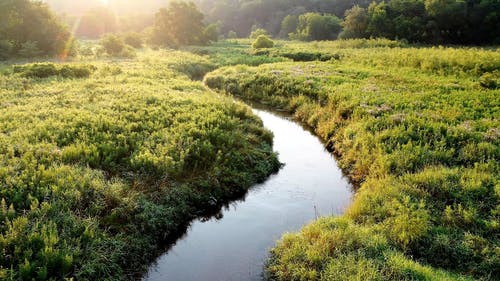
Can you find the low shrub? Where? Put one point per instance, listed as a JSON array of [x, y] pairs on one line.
[[44, 70], [263, 41], [490, 80], [310, 56]]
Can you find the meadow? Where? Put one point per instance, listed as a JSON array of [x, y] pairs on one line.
[[103, 161], [417, 129]]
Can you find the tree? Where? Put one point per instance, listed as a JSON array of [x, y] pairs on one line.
[[355, 23], [180, 24], [289, 25], [31, 26], [211, 33], [379, 24], [313, 26]]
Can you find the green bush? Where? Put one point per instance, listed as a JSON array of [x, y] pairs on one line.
[[112, 44], [310, 56], [38, 70], [262, 42], [133, 39], [490, 80]]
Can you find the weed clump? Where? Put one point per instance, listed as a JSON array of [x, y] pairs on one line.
[[263, 41]]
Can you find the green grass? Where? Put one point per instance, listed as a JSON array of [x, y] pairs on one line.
[[97, 172], [418, 130]]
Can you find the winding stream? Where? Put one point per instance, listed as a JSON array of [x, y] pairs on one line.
[[235, 246]]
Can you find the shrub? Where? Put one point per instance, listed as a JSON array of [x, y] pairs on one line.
[[489, 80], [42, 70], [133, 39], [76, 71], [263, 42], [128, 52], [113, 44]]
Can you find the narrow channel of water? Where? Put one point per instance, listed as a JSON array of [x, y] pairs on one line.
[[235, 247]]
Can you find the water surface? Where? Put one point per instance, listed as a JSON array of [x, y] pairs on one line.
[[236, 246]]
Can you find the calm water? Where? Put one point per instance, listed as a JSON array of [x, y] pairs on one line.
[[235, 246]]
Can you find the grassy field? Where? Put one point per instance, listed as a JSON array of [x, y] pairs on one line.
[[417, 129], [102, 161]]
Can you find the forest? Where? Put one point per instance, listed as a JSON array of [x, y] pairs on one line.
[[123, 123]]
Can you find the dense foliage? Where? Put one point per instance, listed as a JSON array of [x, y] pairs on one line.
[[178, 25], [28, 29], [102, 162], [443, 21], [422, 21], [313, 26], [431, 21], [417, 130]]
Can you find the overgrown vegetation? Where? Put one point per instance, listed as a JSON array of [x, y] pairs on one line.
[[97, 172], [417, 129]]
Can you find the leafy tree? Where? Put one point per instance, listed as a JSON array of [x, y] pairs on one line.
[[408, 19], [211, 33], [30, 25], [289, 25], [355, 23], [379, 23], [313, 26], [180, 24]]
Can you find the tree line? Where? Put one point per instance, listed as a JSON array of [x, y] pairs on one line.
[[30, 28]]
